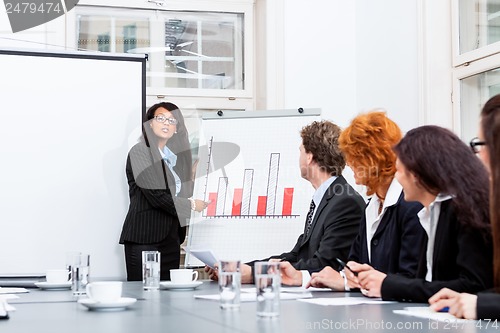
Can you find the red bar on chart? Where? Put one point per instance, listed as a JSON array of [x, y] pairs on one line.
[[212, 197], [261, 205], [287, 201], [238, 194]]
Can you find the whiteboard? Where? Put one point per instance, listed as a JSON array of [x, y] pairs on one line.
[[67, 121], [249, 170]]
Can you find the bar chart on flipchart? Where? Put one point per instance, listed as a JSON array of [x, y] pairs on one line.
[[241, 197], [248, 170]]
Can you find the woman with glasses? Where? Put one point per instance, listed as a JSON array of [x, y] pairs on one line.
[[484, 305], [438, 170], [159, 174]]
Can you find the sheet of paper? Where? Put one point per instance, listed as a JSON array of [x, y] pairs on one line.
[[204, 255], [288, 290], [428, 313], [8, 296], [345, 301], [6, 290], [252, 297]]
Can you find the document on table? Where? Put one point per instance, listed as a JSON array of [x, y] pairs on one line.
[[12, 290], [427, 313], [345, 301], [288, 290], [252, 297], [206, 256]]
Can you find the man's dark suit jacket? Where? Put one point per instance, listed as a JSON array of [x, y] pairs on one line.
[[462, 261], [154, 212], [333, 229], [395, 246]]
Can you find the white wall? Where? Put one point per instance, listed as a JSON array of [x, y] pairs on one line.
[[320, 57], [435, 57], [386, 59], [46, 36], [351, 56]]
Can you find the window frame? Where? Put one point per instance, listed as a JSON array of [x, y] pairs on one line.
[[245, 7], [466, 65]]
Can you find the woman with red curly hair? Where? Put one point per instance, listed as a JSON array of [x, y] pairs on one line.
[[390, 234]]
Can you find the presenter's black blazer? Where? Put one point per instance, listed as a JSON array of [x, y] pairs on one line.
[[335, 224], [462, 261], [396, 245], [154, 213]]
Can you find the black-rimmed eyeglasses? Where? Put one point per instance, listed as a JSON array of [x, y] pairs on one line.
[[475, 143], [162, 119]]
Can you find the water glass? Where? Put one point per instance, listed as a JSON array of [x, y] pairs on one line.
[[229, 283], [80, 269], [70, 257], [151, 270], [268, 282]]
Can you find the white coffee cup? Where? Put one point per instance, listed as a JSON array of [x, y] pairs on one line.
[[183, 275], [104, 291], [57, 275]]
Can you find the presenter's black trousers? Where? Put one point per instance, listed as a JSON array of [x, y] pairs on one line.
[[170, 257]]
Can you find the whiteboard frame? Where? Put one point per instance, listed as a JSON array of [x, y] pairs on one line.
[[104, 263]]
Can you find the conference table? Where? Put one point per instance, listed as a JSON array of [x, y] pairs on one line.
[[179, 311]]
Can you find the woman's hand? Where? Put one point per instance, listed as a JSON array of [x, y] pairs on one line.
[[461, 305], [200, 205]]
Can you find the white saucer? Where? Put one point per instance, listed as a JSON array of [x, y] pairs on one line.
[[53, 286], [120, 304], [180, 286]]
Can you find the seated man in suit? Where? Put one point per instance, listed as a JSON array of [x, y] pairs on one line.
[[336, 208]]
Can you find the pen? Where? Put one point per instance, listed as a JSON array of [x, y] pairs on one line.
[[343, 264]]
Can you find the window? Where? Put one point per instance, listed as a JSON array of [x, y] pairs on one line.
[[476, 61], [479, 23], [186, 49]]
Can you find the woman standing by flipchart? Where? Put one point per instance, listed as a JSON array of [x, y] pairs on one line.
[[159, 174]]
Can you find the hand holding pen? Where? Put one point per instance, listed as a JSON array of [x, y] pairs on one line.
[[350, 274], [365, 277]]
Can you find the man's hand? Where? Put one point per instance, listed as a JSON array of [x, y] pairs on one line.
[[289, 275], [327, 278]]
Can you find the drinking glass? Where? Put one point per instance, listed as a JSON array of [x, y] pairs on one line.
[[229, 283], [151, 270], [268, 282], [80, 269]]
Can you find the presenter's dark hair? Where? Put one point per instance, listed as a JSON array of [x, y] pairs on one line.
[[490, 126], [442, 163], [178, 143], [321, 138]]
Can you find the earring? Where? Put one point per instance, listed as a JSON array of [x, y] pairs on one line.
[[175, 132]]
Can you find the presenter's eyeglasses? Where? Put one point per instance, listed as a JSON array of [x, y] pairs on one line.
[[475, 143], [162, 119]]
